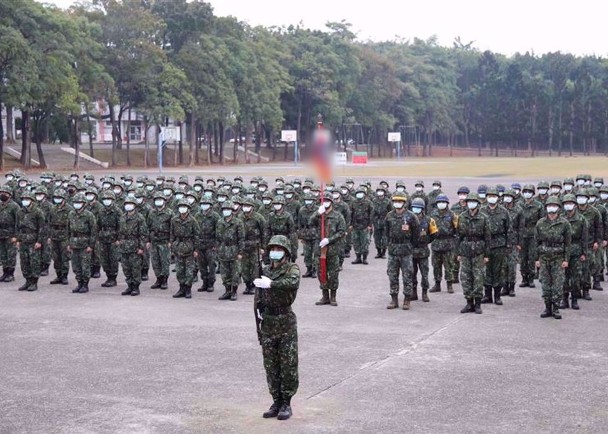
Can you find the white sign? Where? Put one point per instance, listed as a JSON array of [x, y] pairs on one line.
[[394, 137], [170, 134], [289, 136], [340, 158]]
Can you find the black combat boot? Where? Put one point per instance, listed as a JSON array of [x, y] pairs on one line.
[[44, 272], [24, 286], [64, 280], [564, 304], [156, 284], [57, 280], [531, 282], [33, 285], [308, 273], [135, 291], [378, 254], [226, 294], [524, 282], [110, 282], [181, 293], [358, 260], [347, 253], [556, 313], [163, 283], [210, 286], [469, 307], [3, 275], [332, 298], [478, 306], [383, 254], [273, 411], [487, 294], [10, 276], [596, 284], [574, 296], [285, 410], [512, 289], [450, 288], [586, 295], [84, 288], [497, 299], [77, 289], [188, 291], [436, 287], [414, 296], [406, 303], [505, 290], [314, 273], [324, 299], [548, 312], [394, 304], [233, 293], [249, 289], [144, 275], [364, 261], [127, 291], [95, 272], [425, 295]]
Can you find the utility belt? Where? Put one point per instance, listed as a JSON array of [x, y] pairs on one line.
[[473, 238], [276, 311], [553, 244]]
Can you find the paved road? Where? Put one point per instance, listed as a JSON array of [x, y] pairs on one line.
[[102, 363]]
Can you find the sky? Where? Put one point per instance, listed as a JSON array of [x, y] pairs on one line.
[[539, 26]]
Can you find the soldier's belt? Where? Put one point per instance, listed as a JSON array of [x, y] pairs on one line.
[[553, 245], [472, 238], [275, 311]]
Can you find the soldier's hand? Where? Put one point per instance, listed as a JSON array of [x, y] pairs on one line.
[[37, 246], [261, 251], [69, 248], [486, 260], [459, 258], [13, 240], [195, 254], [88, 250], [239, 257], [565, 264], [140, 252], [350, 228], [148, 245], [321, 210], [605, 243], [583, 258], [537, 264], [595, 246], [117, 242], [518, 247]]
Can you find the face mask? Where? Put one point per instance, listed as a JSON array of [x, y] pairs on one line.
[[582, 200], [226, 212], [597, 184], [266, 201], [128, 183], [57, 200], [436, 187], [416, 210], [73, 178], [507, 199], [308, 202], [327, 204], [288, 196], [10, 177], [88, 181], [517, 191], [131, 195], [105, 185], [604, 196], [78, 205], [159, 202], [129, 207], [528, 194], [183, 209], [117, 191], [442, 205], [280, 192], [167, 192], [419, 189], [568, 187], [139, 200], [276, 255], [221, 199], [139, 184], [306, 190], [542, 191], [179, 196], [208, 194], [183, 185], [472, 205], [580, 182], [235, 208], [592, 200], [22, 184], [90, 197], [380, 193], [198, 188], [360, 195], [262, 188], [555, 190], [279, 183], [26, 202], [552, 209], [205, 206], [482, 195], [297, 185], [569, 206], [462, 196], [336, 195], [190, 200], [159, 182], [400, 189], [40, 197], [250, 195], [254, 184], [247, 209], [107, 202], [350, 185], [398, 205], [587, 183], [236, 190], [58, 184], [344, 191], [277, 206], [149, 187], [492, 200]]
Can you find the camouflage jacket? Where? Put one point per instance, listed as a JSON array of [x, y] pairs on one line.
[[361, 214], [580, 234], [306, 231], [255, 231], [284, 287], [381, 207], [500, 227], [159, 225], [604, 214], [293, 207], [595, 224], [344, 208], [207, 222], [281, 224], [532, 213], [402, 232], [473, 234], [447, 222], [8, 219], [108, 224], [428, 232], [184, 233], [458, 208], [31, 225], [335, 231], [517, 224], [59, 217], [230, 237], [133, 233], [553, 239], [82, 229]]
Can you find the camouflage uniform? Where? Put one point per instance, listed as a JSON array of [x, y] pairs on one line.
[[184, 233], [82, 234], [361, 224], [132, 237], [8, 231], [590, 266], [58, 231], [307, 234], [94, 207], [255, 238], [108, 226], [159, 228], [381, 207], [206, 244], [518, 226], [421, 252], [280, 222], [443, 246], [230, 238], [532, 211], [344, 209], [433, 195], [45, 206], [31, 235], [578, 254]]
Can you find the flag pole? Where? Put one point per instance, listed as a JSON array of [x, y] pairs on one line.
[[323, 256]]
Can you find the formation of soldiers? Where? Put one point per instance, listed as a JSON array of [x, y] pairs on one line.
[[556, 231]]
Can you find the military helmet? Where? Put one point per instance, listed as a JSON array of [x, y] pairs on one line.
[[5, 189], [543, 184], [280, 241], [418, 202], [442, 198], [568, 198], [279, 199], [328, 196], [556, 183], [130, 199], [473, 196], [492, 191], [159, 195], [60, 192], [41, 189], [482, 188], [516, 186], [437, 182], [108, 194], [510, 192], [247, 201], [183, 202], [529, 187], [227, 204], [593, 192], [400, 183], [500, 189], [463, 190], [79, 197], [419, 183], [604, 189], [553, 201], [569, 181], [399, 196], [582, 192]]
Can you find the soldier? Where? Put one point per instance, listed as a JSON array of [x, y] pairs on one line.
[[361, 225], [159, 245], [307, 234], [421, 252], [144, 209], [132, 238], [595, 238], [594, 201], [578, 252], [82, 233], [278, 334], [553, 236], [433, 194], [31, 235], [58, 227], [517, 225], [381, 207], [346, 201], [443, 245], [184, 232], [108, 227], [555, 188], [281, 222], [230, 237], [8, 234], [532, 211], [40, 193], [94, 207], [458, 208], [331, 245], [344, 209], [255, 240], [206, 244], [473, 245], [543, 192], [419, 192], [500, 238]]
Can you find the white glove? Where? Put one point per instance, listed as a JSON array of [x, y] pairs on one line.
[[263, 282], [324, 242], [321, 210]]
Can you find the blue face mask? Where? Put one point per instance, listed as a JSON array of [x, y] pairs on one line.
[[276, 255], [416, 210]]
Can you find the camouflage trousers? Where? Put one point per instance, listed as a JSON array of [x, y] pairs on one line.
[[361, 241], [295, 246], [348, 241], [588, 269], [61, 257], [512, 261], [81, 265], [230, 272], [309, 252], [250, 265], [574, 275], [472, 275], [109, 256], [496, 268], [380, 240], [185, 267], [131, 264], [280, 353], [443, 261], [145, 263], [552, 278], [8, 253], [404, 265], [596, 269], [455, 268], [422, 265], [30, 260], [333, 273], [527, 259], [206, 265], [95, 259], [46, 255], [160, 255]]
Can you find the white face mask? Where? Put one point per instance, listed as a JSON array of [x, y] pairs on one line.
[[128, 183], [360, 195], [587, 183], [205, 206], [517, 191], [344, 191], [208, 194], [90, 197], [482, 195], [88, 181], [542, 191], [472, 205], [569, 206], [10, 177], [280, 192], [507, 199], [250, 195], [26, 202], [247, 209], [159, 202], [492, 200], [296, 185], [117, 191], [436, 187], [418, 188], [380, 193], [149, 187], [552, 209], [316, 193], [604, 196], [58, 184], [139, 184], [398, 205], [336, 195], [582, 200], [306, 190], [262, 188], [139, 200], [159, 182], [442, 205], [289, 196], [167, 192], [226, 212], [266, 201], [417, 210], [308, 202], [198, 187], [179, 196], [57, 200], [183, 209], [190, 200], [592, 200], [105, 185], [528, 194], [555, 190], [40, 197], [276, 255], [580, 182], [277, 206], [78, 205], [568, 187], [129, 207], [597, 184], [462, 196], [254, 184], [107, 202], [235, 208], [327, 204], [400, 189], [236, 190], [221, 199]]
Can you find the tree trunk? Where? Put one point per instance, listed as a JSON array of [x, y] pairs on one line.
[[76, 142], [146, 144], [10, 122], [26, 139], [220, 134], [115, 133], [129, 137], [121, 111], [192, 143]]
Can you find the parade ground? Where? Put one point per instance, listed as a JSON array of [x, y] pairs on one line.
[[103, 363]]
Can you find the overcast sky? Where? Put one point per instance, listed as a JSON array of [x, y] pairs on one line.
[[510, 26]]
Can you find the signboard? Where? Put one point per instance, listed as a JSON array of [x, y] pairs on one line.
[[170, 134], [359, 158], [289, 135], [340, 158], [394, 137]]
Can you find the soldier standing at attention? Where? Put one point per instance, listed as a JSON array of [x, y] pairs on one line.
[[276, 291], [108, 227], [230, 238], [421, 253], [381, 207], [82, 232], [532, 211], [206, 244], [45, 206], [443, 245], [594, 219], [402, 232], [553, 236], [132, 238], [578, 252], [361, 225], [255, 240], [159, 228], [473, 247], [184, 232], [31, 234], [8, 234], [58, 227], [517, 225], [458, 208], [307, 234]]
